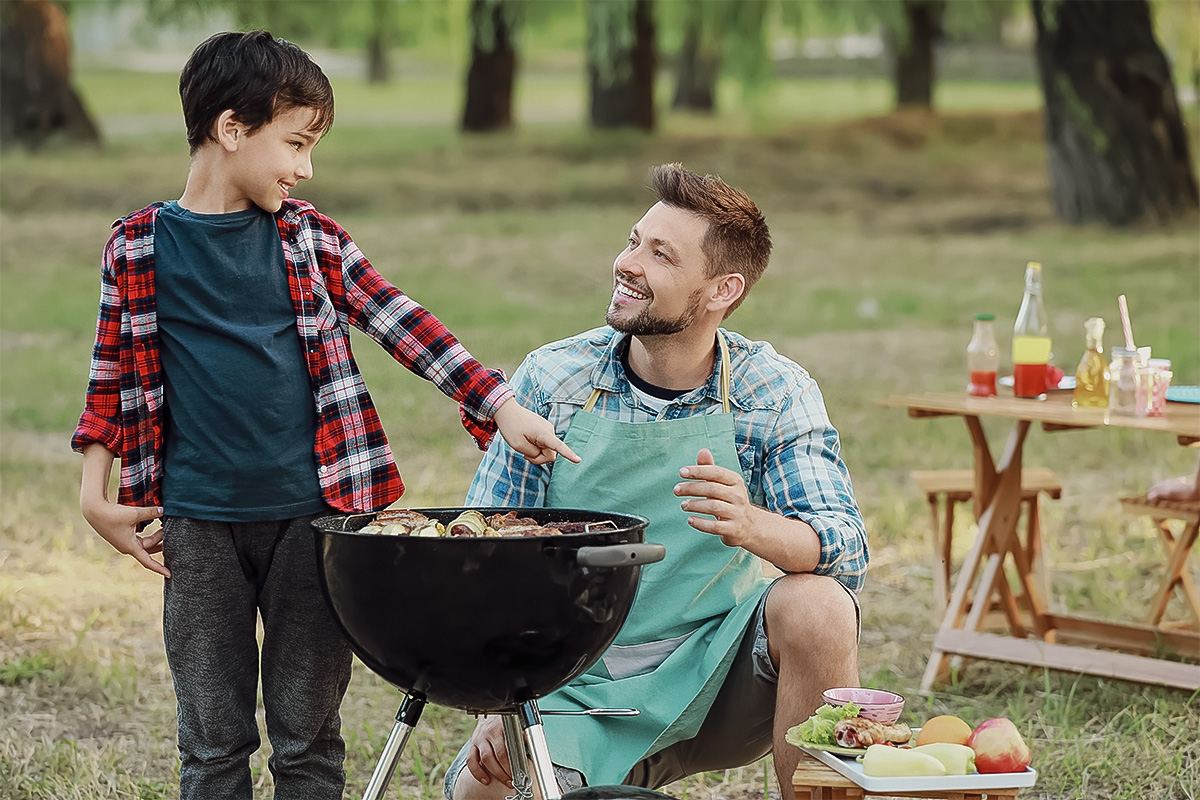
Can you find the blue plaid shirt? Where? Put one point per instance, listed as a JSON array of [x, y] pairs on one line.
[[789, 451]]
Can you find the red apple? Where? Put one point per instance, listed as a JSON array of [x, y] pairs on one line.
[[999, 747]]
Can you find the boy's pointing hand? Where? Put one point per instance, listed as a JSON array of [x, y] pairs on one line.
[[531, 435]]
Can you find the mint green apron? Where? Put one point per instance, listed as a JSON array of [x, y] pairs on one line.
[[692, 609]]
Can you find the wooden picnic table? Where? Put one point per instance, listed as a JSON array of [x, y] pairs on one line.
[[1038, 637]]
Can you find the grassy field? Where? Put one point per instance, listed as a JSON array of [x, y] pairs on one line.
[[890, 234]]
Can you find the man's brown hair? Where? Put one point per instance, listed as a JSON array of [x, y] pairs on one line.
[[737, 239]]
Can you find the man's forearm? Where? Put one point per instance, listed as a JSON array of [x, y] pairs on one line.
[[788, 543]]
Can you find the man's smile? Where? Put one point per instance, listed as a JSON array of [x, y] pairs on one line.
[[625, 290]]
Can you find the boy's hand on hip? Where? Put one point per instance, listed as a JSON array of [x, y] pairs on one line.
[[118, 526], [531, 435]]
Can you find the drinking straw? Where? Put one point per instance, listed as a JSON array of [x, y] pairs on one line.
[[1125, 322]]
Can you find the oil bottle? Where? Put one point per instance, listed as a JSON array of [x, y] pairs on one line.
[[1091, 378]]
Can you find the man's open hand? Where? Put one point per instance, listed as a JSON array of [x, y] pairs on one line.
[[720, 493]]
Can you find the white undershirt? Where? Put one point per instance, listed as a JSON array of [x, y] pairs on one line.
[[655, 404]]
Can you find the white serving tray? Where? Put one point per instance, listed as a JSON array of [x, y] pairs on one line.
[[852, 769]]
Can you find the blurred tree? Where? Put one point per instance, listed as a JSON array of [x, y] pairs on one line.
[[621, 62], [698, 61], [374, 25], [913, 67], [1116, 144], [379, 35], [717, 38], [38, 98], [490, 76], [912, 29]]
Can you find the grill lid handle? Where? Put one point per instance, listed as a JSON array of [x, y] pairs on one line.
[[621, 555]]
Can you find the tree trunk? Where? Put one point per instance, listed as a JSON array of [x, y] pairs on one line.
[[914, 67], [378, 69], [493, 68], [35, 77], [621, 68], [1116, 146], [696, 70]]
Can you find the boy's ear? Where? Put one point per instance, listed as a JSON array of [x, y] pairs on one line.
[[228, 131]]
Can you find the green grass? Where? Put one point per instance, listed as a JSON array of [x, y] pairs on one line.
[[890, 233]]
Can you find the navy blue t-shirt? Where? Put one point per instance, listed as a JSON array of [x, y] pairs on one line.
[[241, 418]]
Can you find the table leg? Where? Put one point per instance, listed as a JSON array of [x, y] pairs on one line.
[[998, 489], [1177, 574]]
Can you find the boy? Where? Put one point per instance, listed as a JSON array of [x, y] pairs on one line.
[[222, 378]]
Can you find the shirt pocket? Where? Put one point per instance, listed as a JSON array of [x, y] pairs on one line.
[[631, 660]]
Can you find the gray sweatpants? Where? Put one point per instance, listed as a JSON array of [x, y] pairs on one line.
[[224, 575]]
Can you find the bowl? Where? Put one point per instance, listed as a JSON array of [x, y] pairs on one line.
[[876, 704]]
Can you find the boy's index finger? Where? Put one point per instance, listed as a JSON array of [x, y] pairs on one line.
[[566, 452]]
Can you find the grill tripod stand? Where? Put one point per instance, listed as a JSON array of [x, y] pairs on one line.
[[523, 736]]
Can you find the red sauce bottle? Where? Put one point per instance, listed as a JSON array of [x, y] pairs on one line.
[[983, 357]]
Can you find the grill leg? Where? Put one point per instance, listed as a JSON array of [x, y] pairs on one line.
[[518, 758], [406, 720], [539, 752]]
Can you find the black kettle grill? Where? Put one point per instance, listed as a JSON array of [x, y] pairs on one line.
[[483, 624]]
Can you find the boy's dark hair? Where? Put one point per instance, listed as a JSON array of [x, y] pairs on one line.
[[737, 239], [257, 76]]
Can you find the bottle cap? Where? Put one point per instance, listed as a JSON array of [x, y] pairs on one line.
[[1033, 265], [985, 316]]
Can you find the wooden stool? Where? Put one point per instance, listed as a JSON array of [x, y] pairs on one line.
[[815, 781], [946, 488], [1177, 545]]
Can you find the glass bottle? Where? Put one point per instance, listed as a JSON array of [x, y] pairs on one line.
[[983, 357], [1122, 381], [1031, 339], [1091, 379]]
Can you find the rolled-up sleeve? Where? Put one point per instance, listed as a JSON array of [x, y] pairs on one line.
[[505, 477], [101, 418], [804, 477]]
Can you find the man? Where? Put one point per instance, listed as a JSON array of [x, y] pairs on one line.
[[664, 404]]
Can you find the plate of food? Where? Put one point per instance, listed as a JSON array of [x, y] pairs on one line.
[[841, 731], [945, 754]]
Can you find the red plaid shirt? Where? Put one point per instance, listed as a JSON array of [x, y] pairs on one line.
[[332, 287]]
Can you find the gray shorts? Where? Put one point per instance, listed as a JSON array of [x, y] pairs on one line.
[[737, 731]]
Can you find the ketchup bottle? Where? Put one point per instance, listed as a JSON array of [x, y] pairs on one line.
[[983, 358]]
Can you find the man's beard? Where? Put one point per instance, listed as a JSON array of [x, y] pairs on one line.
[[647, 323]]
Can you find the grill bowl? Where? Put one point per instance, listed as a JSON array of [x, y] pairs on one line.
[[480, 624]]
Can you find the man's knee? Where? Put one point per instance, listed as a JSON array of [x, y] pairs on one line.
[[813, 612], [465, 787]]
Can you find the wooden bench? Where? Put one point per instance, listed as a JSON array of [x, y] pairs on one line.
[[815, 781], [944, 489], [1178, 546]]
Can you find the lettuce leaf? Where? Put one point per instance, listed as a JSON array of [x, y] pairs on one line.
[[818, 729]]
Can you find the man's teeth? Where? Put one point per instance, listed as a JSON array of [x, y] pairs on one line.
[[625, 290]]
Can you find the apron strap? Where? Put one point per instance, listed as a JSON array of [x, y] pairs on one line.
[[725, 370]]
